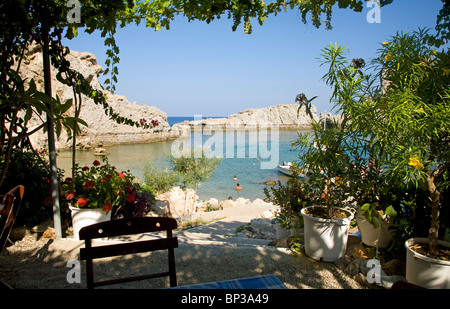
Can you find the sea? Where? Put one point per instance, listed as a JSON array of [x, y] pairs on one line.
[[251, 156]]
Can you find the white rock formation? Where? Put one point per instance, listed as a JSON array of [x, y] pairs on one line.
[[101, 129], [282, 116]]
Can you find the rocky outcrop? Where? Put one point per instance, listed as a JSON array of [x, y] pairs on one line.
[[282, 116], [101, 129], [181, 203]]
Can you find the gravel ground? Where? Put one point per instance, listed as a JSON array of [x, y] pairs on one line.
[[42, 263], [204, 254]]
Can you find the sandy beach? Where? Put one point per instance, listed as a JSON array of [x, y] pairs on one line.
[[205, 254]]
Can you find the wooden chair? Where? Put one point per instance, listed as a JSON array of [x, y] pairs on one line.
[[9, 208], [8, 212], [128, 227], [403, 285]]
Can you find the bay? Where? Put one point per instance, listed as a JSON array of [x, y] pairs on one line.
[[250, 156], [178, 119]]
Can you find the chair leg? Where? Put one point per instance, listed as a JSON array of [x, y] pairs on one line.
[[172, 270], [5, 286]]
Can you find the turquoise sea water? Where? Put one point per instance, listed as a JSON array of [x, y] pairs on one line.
[[251, 156]]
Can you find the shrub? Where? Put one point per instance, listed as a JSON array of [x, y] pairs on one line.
[[28, 170]]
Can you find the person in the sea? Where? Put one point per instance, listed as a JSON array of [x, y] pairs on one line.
[[238, 187], [235, 178]]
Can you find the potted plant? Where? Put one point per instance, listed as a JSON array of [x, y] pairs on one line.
[[98, 191], [327, 219], [282, 224], [377, 198], [375, 225], [290, 197], [326, 231], [406, 122], [418, 92]]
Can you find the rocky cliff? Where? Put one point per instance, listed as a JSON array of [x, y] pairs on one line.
[[101, 129], [282, 116]]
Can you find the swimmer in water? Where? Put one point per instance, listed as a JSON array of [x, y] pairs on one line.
[[235, 178], [238, 187]]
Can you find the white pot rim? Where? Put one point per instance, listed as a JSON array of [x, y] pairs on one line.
[[344, 221], [422, 240], [76, 209]]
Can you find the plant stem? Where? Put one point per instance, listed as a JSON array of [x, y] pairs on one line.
[[433, 233]]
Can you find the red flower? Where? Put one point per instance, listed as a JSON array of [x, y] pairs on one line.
[[96, 163], [89, 184], [84, 169], [121, 175], [82, 201], [130, 189], [48, 201], [70, 196], [107, 207], [130, 198]]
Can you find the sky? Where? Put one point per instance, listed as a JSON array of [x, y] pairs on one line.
[[204, 69]]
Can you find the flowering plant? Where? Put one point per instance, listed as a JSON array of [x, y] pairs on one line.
[[99, 186], [291, 198]]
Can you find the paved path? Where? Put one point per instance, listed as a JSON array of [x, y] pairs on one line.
[[230, 219]]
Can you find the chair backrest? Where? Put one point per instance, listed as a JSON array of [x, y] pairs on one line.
[[8, 212], [128, 227]]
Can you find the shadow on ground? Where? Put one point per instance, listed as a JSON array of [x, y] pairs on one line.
[[46, 266]]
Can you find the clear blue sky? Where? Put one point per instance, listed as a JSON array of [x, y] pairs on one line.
[[200, 69]]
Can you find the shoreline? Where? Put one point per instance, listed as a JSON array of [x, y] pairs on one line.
[[185, 135]]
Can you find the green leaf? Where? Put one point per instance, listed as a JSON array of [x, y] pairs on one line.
[[65, 107], [390, 211], [365, 207]]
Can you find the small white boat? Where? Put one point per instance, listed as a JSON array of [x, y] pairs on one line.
[[285, 169]]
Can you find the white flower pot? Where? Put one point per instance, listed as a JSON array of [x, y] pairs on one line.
[[379, 237], [282, 232], [296, 231], [82, 217], [325, 239], [424, 271]]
